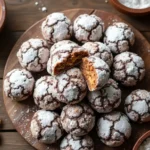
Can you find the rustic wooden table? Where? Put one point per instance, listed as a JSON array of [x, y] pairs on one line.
[[21, 14]]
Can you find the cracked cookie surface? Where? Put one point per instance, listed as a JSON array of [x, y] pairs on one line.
[[45, 93], [88, 28], [137, 106], [128, 68], [107, 98], [63, 56], [33, 55], [46, 126], [113, 128], [100, 50], [56, 27], [71, 142], [95, 71], [77, 119], [119, 37], [71, 86], [18, 84]]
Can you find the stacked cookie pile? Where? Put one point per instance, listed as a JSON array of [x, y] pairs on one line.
[[83, 81]]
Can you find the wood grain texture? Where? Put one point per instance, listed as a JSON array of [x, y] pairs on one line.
[[22, 14], [21, 113], [13, 141]]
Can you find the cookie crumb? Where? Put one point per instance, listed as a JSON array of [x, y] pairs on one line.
[[44, 9], [36, 3]]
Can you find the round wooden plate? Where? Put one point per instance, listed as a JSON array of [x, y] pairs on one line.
[[21, 113], [2, 13]]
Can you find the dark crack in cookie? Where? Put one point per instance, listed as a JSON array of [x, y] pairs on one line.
[[107, 98], [88, 28], [100, 50], [95, 71], [71, 142], [64, 57], [113, 129], [18, 84], [71, 86], [46, 126], [33, 55], [137, 106], [45, 93], [119, 37], [56, 27], [128, 68], [77, 119]]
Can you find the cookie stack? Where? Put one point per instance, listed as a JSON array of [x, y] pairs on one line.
[[86, 65]]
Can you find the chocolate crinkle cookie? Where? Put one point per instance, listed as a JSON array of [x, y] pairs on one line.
[[64, 56], [107, 98], [137, 106], [77, 119], [71, 142], [100, 50], [128, 68], [46, 126], [45, 93], [33, 55], [95, 71], [119, 37], [56, 27], [88, 28], [71, 86], [18, 84], [113, 129]]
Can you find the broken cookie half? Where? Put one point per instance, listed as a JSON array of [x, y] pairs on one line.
[[64, 57], [95, 71]]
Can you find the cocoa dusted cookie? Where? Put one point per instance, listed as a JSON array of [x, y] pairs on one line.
[[113, 129], [46, 126], [71, 142], [56, 27], [77, 119], [95, 71], [64, 57], [33, 55], [107, 98], [119, 37], [137, 106], [71, 86], [45, 93], [18, 84], [88, 28], [100, 50], [128, 68]]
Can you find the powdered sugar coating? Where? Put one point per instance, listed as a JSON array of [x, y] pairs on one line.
[[45, 93], [113, 128], [128, 68], [137, 106], [18, 84], [46, 126], [56, 27], [88, 28], [77, 119], [102, 70], [71, 142], [61, 53], [33, 55], [71, 86], [100, 50], [119, 37], [107, 98]]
